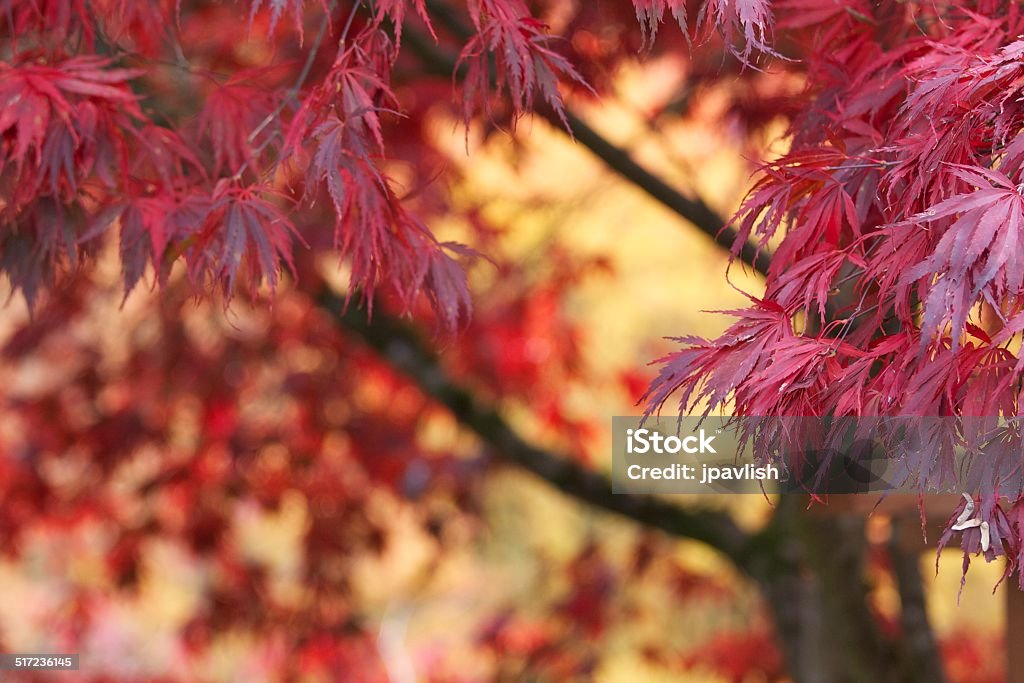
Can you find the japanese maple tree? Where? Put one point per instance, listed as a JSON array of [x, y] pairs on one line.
[[222, 149]]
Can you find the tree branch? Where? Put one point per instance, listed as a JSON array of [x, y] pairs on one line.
[[399, 343], [699, 214], [693, 210], [920, 649]]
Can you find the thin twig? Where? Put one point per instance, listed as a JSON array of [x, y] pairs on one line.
[[303, 75]]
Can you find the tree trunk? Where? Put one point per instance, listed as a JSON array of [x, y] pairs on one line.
[[822, 611], [921, 659]]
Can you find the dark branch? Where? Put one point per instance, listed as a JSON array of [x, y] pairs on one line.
[[694, 211], [922, 661], [401, 346]]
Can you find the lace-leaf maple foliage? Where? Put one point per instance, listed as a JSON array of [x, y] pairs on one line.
[[895, 221], [73, 116]]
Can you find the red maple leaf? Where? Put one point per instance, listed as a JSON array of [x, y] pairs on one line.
[[977, 239], [526, 61], [749, 20], [34, 95], [243, 231], [230, 116]]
